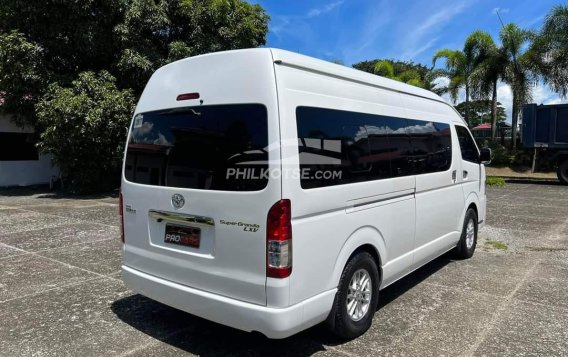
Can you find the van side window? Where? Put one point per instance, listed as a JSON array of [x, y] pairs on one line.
[[399, 146], [468, 147], [339, 147], [334, 148], [432, 146]]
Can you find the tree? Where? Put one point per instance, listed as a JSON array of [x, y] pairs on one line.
[[154, 33], [491, 66], [53, 41], [549, 50], [50, 50], [518, 71], [85, 128], [23, 76], [458, 69], [408, 72], [481, 111]]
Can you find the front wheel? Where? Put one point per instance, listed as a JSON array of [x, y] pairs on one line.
[[356, 299], [563, 171], [468, 239]]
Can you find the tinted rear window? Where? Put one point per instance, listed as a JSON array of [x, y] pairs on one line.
[[199, 147]]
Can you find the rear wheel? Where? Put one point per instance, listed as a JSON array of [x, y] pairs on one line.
[[356, 299], [563, 171], [468, 240]]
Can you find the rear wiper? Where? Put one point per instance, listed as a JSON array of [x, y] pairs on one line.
[[177, 111]]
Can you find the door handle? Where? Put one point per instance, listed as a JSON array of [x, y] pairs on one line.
[[465, 173], [454, 174]]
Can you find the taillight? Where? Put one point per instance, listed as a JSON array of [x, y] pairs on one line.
[[279, 240], [121, 212]]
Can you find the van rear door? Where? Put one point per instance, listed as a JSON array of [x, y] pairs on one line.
[[196, 188]]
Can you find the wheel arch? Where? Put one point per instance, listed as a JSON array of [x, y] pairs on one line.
[[367, 239], [472, 201]]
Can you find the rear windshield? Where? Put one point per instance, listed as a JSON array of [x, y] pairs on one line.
[[202, 147]]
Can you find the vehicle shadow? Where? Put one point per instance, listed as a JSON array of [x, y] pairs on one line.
[[184, 331]]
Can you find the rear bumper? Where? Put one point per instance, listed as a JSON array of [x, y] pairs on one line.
[[272, 322]]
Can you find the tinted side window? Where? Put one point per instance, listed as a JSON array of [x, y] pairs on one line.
[[431, 146], [339, 147], [335, 147], [400, 146], [467, 145]]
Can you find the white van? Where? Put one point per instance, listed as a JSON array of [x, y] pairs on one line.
[[270, 191]]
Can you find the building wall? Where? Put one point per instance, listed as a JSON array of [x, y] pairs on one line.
[[24, 173]]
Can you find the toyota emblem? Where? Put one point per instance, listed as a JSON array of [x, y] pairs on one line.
[[178, 201]]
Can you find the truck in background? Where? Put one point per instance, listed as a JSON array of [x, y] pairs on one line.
[[546, 127]]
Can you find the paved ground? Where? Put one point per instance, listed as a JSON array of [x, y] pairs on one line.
[[61, 293]]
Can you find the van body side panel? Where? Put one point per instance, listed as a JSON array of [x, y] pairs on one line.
[[231, 258], [439, 197], [326, 220]]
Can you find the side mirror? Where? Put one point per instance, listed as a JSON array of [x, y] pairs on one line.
[[485, 156]]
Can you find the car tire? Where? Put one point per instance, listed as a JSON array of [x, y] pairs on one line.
[[356, 299], [468, 240], [563, 172]]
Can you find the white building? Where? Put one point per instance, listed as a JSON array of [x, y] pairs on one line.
[[20, 162]]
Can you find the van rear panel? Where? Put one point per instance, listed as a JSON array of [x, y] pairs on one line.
[[195, 190]]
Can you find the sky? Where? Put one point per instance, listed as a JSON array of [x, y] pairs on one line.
[[356, 30]]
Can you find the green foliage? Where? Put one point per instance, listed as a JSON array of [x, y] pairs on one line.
[[518, 72], [480, 112], [53, 41], [154, 33], [495, 181], [495, 244], [411, 73], [549, 50], [85, 129], [50, 49], [22, 75], [501, 155]]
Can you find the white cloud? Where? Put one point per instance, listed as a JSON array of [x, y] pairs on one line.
[[543, 95], [324, 9], [299, 26], [556, 100], [505, 97], [378, 16], [413, 52], [498, 10], [423, 35]]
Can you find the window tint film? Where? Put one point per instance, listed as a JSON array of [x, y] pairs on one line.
[[468, 148], [203, 147], [399, 146], [335, 147], [432, 146], [339, 147]]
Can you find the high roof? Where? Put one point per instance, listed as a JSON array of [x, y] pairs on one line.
[[316, 65]]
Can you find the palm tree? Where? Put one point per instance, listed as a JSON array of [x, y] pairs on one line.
[[459, 66], [549, 50], [518, 70], [386, 68], [492, 62]]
